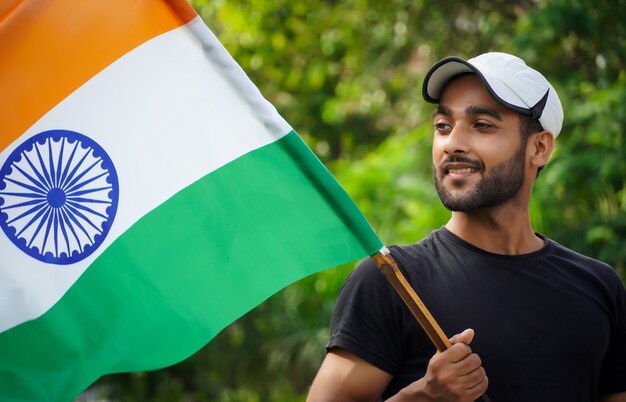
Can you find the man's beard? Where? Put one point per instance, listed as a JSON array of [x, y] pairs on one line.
[[495, 188]]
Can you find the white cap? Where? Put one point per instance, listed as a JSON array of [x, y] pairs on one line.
[[508, 79]]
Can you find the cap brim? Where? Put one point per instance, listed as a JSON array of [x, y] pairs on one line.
[[440, 74]]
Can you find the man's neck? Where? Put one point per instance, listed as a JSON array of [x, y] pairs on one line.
[[502, 230]]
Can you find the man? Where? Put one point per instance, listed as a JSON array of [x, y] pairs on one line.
[[534, 320]]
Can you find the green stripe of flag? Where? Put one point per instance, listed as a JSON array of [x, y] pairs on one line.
[[188, 269]]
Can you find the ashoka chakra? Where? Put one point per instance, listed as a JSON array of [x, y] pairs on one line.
[[58, 196]]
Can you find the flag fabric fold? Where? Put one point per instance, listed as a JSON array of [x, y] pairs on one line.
[[149, 194]]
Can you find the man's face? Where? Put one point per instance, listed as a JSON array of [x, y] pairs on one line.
[[478, 157]]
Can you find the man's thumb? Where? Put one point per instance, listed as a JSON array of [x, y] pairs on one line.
[[465, 337]]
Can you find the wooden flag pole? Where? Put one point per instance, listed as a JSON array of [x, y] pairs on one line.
[[389, 268], [396, 278]]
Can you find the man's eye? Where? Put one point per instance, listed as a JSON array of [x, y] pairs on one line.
[[442, 126], [482, 125]]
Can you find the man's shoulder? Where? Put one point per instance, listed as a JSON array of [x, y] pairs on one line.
[[565, 255]]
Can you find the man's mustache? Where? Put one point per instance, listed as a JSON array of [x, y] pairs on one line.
[[477, 164]]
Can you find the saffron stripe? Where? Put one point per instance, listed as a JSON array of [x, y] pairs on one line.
[[49, 48]]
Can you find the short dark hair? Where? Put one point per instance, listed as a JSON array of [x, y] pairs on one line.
[[528, 126]]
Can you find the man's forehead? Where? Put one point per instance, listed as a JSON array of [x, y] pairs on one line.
[[465, 84]]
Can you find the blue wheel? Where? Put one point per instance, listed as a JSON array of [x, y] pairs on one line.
[[58, 196]]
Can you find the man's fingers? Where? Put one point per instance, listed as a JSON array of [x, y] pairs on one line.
[[461, 356], [464, 359], [458, 352], [474, 378], [479, 386], [457, 372]]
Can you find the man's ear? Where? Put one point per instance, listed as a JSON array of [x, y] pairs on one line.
[[541, 146]]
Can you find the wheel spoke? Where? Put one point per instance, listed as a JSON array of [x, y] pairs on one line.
[[42, 209], [63, 231], [68, 222], [47, 233], [67, 166], [41, 178], [23, 195], [80, 176], [71, 174], [42, 187], [46, 173], [51, 161], [41, 223], [81, 215], [57, 177], [84, 183], [26, 203], [23, 214], [72, 216], [26, 186], [88, 200], [89, 191]]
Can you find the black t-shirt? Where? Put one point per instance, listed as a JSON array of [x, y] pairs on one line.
[[550, 325]]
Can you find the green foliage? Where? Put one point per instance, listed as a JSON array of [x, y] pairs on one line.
[[393, 187], [346, 74], [582, 193], [580, 199]]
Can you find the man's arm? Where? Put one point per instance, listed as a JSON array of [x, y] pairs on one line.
[[453, 375], [346, 377], [621, 397]]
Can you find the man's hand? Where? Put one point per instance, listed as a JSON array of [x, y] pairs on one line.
[[455, 375]]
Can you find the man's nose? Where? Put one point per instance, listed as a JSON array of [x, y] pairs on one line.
[[456, 141]]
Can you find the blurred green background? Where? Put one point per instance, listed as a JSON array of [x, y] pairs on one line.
[[347, 76]]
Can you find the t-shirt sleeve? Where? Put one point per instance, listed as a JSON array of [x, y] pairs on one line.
[[367, 320], [613, 378]]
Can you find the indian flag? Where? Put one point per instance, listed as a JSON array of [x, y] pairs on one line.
[[149, 195]]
